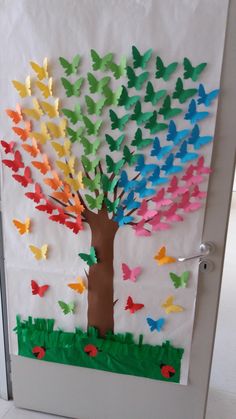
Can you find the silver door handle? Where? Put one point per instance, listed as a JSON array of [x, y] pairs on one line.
[[205, 249]]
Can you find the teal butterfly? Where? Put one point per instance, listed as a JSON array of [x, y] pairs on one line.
[[139, 141], [94, 108], [75, 135], [75, 115], [129, 157], [181, 93], [118, 70], [180, 281], [90, 258], [92, 184], [136, 81], [140, 60], [112, 166], [101, 63], [112, 205], [114, 145], [67, 308], [90, 148], [95, 85], [70, 68], [116, 122], [139, 116], [94, 203], [111, 98], [107, 184], [191, 72], [164, 72], [72, 89], [92, 128], [155, 126], [89, 165], [126, 100], [152, 96], [167, 111]]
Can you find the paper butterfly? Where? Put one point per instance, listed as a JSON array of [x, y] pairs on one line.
[[23, 228], [140, 231], [94, 203], [139, 141], [180, 281], [33, 149], [90, 148], [24, 89], [184, 155], [193, 115], [129, 157], [8, 147], [121, 218], [155, 126], [46, 89], [78, 286], [95, 85], [169, 167], [126, 100], [89, 258], [157, 224], [15, 164], [206, 98], [181, 93], [134, 80], [192, 72], [24, 179], [38, 290], [23, 133], [152, 96], [167, 111], [164, 72], [112, 166], [39, 252], [139, 116], [37, 195], [174, 135], [170, 307], [70, 68], [162, 258], [133, 307], [118, 70], [62, 150], [145, 212], [158, 151], [156, 179], [112, 98], [51, 109], [35, 112], [44, 166], [16, 116], [198, 141], [43, 136], [156, 324], [129, 273], [143, 168], [94, 108], [141, 60], [67, 308], [72, 89], [41, 71], [118, 123], [101, 63]]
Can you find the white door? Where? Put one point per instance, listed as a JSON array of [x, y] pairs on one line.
[[86, 393]]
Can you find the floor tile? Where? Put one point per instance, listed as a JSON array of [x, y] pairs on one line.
[[15, 413], [4, 407]]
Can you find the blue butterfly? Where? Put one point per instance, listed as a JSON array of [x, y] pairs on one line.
[[158, 151], [142, 190], [142, 167], [130, 203], [206, 98], [184, 155], [121, 218], [169, 167], [125, 183], [156, 324], [193, 115], [155, 177], [174, 135], [198, 141]]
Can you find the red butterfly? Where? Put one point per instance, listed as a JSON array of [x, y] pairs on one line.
[[38, 290], [37, 195], [190, 178], [133, 307], [187, 205], [200, 168], [197, 193], [75, 226], [15, 164], [39, 352], [171, 215], [24, 179], [23, 133], [60, 217], [48, 207], [8, 147], [174, 189], [16, 116]]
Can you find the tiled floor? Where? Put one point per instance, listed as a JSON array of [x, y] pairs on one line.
[[221, 401]]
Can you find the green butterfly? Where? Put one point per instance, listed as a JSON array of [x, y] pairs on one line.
[[111, 97], [129, 157], [75, 135], [91, 258], [101, 63], [92, 184], [116, 122], [67, 308], [192, 72], [167, 111], [75, 115], [94, 203], [139, 116], [114, 145], [164, 72], [107, 184], [152, 96], [70, 68], [94, 108], [112, 206], [180, 281], [89, 166], [92, 128], [72, 89], [113, 167], [139, 141], [90, 148], [95, 85], [126, 100], [155, 126], [136, 81], [140, 60], [118, 70], [181, 93]]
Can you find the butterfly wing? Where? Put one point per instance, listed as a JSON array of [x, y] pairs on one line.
[[175, 279], [126, 271]]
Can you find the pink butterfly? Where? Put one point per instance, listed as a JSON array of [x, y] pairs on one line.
[[145, 212], [174, 189], [160, 200], [140, 230], [188, 206], [190, 178], [131, 274], [197, 193], [200, 168], [157, 224], [171, 215]]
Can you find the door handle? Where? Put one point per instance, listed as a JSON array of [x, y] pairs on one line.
[[206, 249]]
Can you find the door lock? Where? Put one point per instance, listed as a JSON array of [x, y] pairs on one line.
[[206, 249], [206, 265]]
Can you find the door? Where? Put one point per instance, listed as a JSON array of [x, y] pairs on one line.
[[83, 392]]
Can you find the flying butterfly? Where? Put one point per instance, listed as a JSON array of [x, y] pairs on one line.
[[142, 167], [67, 308], [156, 324], [131, 274], [112, 166], [191, 72], [180, 281], [33, 149], [139, 116], [72, 89], [174, 135], [134, 80], [38, 289], [126, 100], [44, 166], [140, 60], [101, 63], [152, 96], [76, 182], [35, 112], [112, 205], [118, 70], [54, 182], [139, 141], [57, 130], [39, 252], [95, 85], [111, 97], [90, 258], [169, 167], [193, 115], [181, 93], [170, 307], [153, 125], [156, 178], [130, 203], [196, 140], [41, 71], [78, 286], [8, 147], [70, 68], [22, 227], [25, 179], [184, 155], [46, 89], [121, 218], [89, 165], [133, 307], [162, 258], [37, 195], [62, 150], [75, 135], [50, 109], [90, 148], [163, 71], [24, 89], [23, 133], [114, 145], [92, 128], [92, 184], [206, 98], [43, 136], [108, 185], [167, 111], [15, 115], [158, 151], [68, 168], [94, 203], [118, 123], [94, 108], [125, 183], [129, 157]]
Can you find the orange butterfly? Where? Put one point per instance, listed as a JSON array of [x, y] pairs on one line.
[[43, 166], [162, 258], [54, 182], [16, 116], [23, 133], [64, 195], [23, 228], [77, 208], [79, 286], [33, 149]]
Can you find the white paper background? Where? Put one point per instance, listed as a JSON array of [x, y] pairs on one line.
[[35, 29]]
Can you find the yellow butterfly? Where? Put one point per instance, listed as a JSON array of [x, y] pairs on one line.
[[39, 252], [57, 131], [77, 182], [23, 228], [62, 150], [24, 89], [51, 110], [35, 112], [68, 167], [43, 136], [46, 89], [170, 307], [162, 258], [42, 72], [79, 286]]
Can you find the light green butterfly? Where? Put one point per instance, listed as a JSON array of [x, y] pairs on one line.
[[72, 89], [90, 148], [67, 308], [94, 203], [75, 115], [89, 166], [95, 85], [75, 135], [101, 63], [112, 98], [92, 184], [180, 281], [118, 70], [94, 108], [92, 128], [70, 68]]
